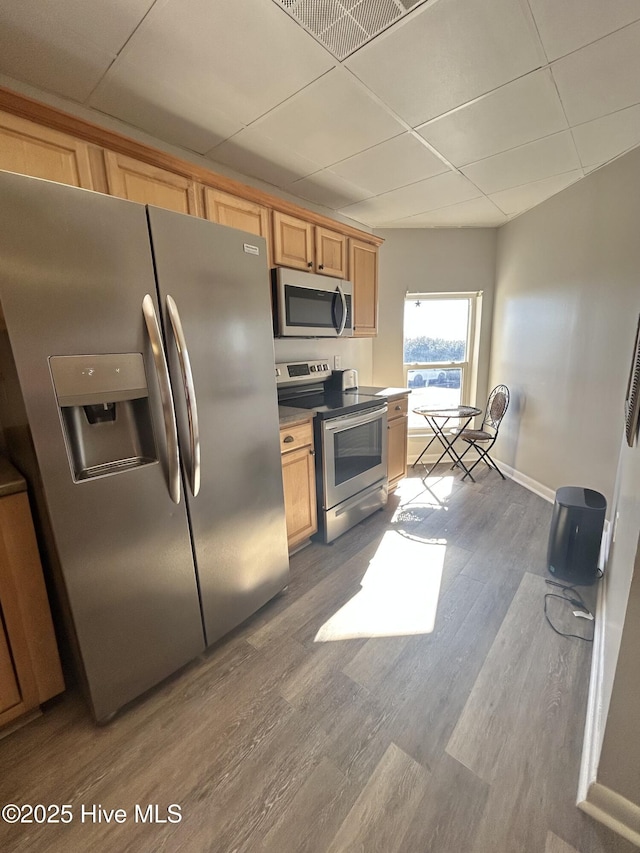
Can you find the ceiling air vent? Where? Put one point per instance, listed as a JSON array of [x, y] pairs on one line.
[[343, 26]]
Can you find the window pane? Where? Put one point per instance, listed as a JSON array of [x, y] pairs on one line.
[[435, 330], [437, 388]]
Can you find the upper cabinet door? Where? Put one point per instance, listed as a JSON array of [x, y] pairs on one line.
[[30, 149], [226, 209], [363, 271], [292, 241], [331, 253], [138, 181]]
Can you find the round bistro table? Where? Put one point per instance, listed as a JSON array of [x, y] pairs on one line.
[[438, 419]]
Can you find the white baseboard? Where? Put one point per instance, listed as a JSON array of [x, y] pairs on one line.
[[595, 721], [613, 810], [526, 481]]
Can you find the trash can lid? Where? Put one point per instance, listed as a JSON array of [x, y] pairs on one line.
[[583, 498]]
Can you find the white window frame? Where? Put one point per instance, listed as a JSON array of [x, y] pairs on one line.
[[469, 367]]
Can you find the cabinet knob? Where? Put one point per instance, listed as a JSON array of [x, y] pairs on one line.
[[310, 264], [398, 408], [312, 452], [321, 267], [288, 439]]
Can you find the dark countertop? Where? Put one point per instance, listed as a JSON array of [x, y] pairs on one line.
[[11, 481], [289, 415]]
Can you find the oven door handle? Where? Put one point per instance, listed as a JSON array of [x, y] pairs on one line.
[[353, 420]]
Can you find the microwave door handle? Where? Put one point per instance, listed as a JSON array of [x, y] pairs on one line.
[[344, 310], [189, 393], [164, 384]]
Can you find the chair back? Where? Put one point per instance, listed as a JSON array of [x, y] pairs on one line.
[[497, 405]]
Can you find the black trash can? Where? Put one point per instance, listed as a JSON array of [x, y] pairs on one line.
[[576, 534]]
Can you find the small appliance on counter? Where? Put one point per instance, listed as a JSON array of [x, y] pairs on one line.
[[344, 380], [350, 433]]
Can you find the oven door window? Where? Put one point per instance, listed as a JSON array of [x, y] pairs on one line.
[[357, 450], [320, 309]]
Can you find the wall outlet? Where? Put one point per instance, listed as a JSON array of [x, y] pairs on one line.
[[337, 362]]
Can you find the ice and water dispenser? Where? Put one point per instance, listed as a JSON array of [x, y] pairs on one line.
[[104, 404]]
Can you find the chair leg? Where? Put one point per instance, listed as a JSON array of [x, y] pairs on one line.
[[495, 467], [484, 456]]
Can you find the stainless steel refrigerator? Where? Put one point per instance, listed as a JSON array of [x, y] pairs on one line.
[[138, 397]]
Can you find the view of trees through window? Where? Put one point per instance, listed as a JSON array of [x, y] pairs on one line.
[[422, 350], [436, 332]]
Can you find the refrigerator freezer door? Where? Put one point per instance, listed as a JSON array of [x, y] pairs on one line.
[[222, 294], [74, 269]]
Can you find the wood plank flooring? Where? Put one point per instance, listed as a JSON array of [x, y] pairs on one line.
[[328, 724]]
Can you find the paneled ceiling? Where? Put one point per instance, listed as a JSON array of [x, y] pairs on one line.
[[395, 113]]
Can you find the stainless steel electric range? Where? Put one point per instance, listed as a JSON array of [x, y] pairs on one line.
[[350, 431]]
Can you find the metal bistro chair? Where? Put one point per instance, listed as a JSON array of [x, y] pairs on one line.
[[484, 438]]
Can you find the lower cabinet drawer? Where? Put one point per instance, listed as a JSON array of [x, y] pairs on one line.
[[293, 437], [397, 408]]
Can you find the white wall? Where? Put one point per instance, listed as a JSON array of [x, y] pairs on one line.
[[567, 303], [442, 260], [566, 306], [354, 353]]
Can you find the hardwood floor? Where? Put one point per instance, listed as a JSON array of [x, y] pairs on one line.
[[405, 695]]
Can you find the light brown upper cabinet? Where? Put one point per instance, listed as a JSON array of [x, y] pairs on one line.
[[304, 246], [363, 273], [240, 213], [138, 181], [292, 242], [30, 149], [331, 253]]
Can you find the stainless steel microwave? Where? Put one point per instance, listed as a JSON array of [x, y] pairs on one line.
[[311, 306]]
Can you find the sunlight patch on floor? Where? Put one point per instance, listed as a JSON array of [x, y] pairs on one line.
[[415, 493], [399, 595]]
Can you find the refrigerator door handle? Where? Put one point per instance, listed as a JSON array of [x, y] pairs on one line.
[[189, 392], [162, 372]]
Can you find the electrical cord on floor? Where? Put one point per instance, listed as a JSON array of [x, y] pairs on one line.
[[574, 599]]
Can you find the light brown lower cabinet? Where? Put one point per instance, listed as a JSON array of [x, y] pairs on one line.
[[397, 426], [30, 671], [299, 481]]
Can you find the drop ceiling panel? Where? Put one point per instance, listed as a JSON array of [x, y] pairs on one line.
[[518, 199], [106, 24], [512, 115], [179, 116], [532, 162], [567, 25], [328, 189], [481, 211], [439, 191], [330, 120], [66, 46], [254, 154], [604, 138], [600, 78], [238, 59], [447, 53], [395, 163]]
